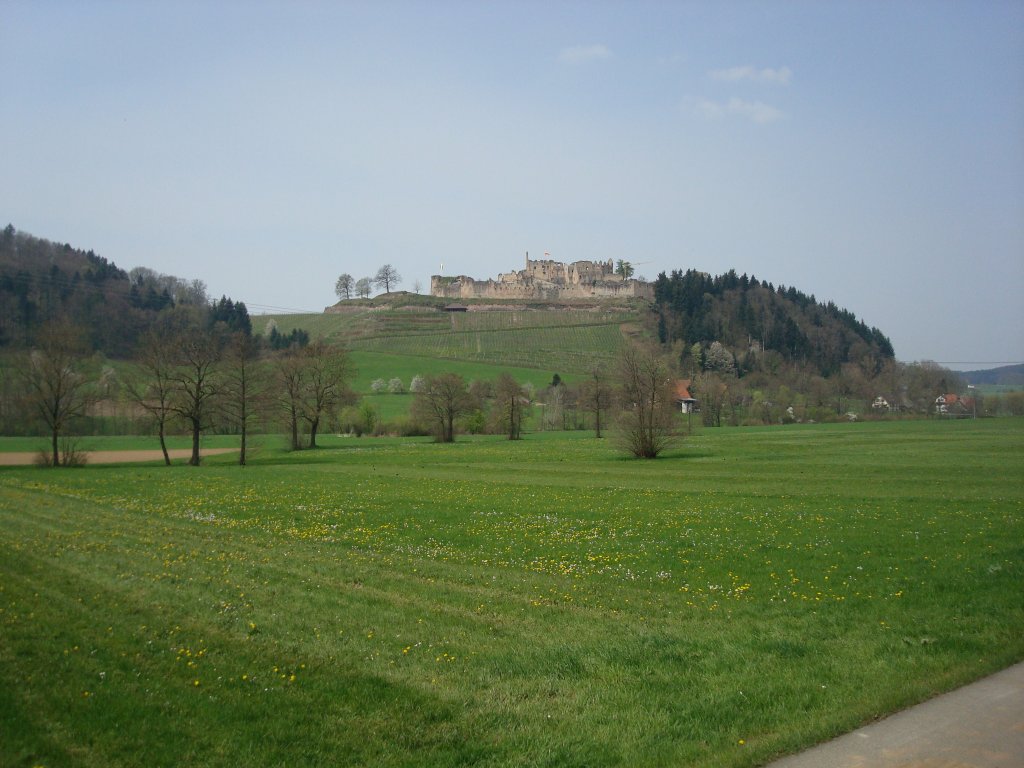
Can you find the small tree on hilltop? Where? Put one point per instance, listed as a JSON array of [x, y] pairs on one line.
[[647, 422], [387, 276], [363, 287], [343, 287]]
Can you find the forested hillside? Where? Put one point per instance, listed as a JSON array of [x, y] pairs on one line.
[[43, 281], [750, 318]]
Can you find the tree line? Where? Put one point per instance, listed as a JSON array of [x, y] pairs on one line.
[[190, 374], [196, 377], [635, 399]]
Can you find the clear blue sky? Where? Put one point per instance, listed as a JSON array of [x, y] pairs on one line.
[[869, 153]]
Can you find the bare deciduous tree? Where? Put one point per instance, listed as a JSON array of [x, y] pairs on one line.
[[153, 388], [327, 371], [290, 382], [442, 400], [195, 382], [510, 403], [343, 288], [312, 381], [713, 393], [55, 388], [648, 419], [596, 396], [386, 277], [244, 387]]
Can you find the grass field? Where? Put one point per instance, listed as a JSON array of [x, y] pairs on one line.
[[541, 603]]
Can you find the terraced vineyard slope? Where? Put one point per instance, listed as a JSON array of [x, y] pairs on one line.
[[568, 340]]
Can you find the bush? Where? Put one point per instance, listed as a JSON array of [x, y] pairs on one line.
[[475, 423], [405, 427], [359, 420], [70, 454]]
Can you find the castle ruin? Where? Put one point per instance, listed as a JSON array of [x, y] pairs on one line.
[[546, 280]]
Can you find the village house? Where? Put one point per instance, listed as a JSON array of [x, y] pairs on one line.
[[954, 406], [687, 403]]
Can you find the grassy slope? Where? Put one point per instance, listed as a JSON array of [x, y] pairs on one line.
[[565, 341], [547, 602], [530, 345]]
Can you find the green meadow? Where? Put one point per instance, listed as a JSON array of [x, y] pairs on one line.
[[392, 602]]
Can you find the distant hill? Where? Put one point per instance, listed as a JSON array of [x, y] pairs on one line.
[[1007, 375]]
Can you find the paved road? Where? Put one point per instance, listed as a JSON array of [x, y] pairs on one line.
[[978, 726]]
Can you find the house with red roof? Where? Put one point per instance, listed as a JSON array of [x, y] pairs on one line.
[[954, 405], [687, 403]]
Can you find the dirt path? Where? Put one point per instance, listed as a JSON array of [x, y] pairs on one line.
[[27, 458]]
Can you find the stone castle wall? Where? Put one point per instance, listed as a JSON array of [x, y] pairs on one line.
[[545, 280]]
